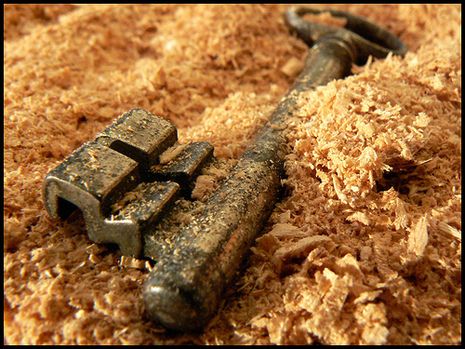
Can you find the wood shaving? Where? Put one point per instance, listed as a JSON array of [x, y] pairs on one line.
[[204, 185], [130, 262], [446, 228], [418, 237], [363, 248], [171, 153], [292, 67]]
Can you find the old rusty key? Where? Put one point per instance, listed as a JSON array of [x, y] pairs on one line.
[[128, 197]]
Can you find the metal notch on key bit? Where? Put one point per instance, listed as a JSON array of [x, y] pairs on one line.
[[118, 183]]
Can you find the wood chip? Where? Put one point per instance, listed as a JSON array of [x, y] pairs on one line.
[[292, 67], [418, 237]]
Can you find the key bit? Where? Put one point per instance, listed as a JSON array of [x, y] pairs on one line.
[[117, 181]]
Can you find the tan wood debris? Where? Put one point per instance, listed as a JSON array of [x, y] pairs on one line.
[[364, 249]]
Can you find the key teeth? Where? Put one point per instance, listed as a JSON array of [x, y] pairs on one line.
[[139, 135], [145, 203], [185, 166], [100, 174]]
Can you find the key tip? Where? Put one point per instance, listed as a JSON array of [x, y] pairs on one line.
[[171, 307]]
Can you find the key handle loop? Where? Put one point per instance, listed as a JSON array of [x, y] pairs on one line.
[[365, 37]]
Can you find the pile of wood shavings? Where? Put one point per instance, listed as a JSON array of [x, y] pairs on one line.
[[341, 260]]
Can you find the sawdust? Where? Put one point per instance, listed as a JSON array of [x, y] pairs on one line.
[[364, 249], [171, 153]]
